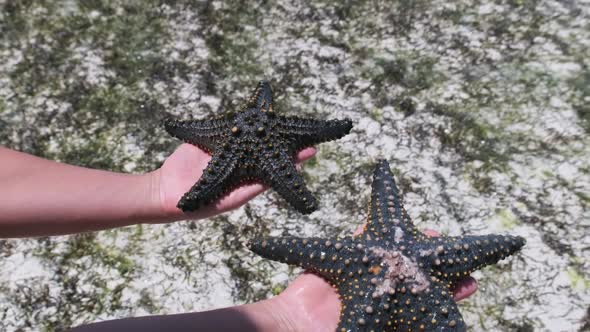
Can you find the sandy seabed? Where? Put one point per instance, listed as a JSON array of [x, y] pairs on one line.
[[481, 108]]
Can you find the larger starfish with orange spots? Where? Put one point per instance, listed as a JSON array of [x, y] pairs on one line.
[[391, 277], [254, 144]]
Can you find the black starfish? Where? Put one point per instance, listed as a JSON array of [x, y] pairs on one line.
[[254, 144], [392, 277]]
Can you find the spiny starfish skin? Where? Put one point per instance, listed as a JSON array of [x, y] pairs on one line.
[[254, 144], [392, 277]]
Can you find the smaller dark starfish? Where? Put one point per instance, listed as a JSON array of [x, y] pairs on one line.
[[392, 277], [254, 144]]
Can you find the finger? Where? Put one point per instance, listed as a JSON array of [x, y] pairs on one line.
[[192, 151], [231, 200], [189, 158], [431, 233], [241, 195], [305, 154], [359, 230], [466, 287]]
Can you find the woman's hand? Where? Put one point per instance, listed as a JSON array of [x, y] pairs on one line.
[[311, 304], [184, 167], [41, 197]]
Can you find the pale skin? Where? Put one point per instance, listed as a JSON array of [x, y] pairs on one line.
[[42, 198]]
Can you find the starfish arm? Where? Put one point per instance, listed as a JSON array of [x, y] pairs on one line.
[[261, 98], [280, 173], [387, 217], [455, 257], [204, 133], [325, 257], [431, 310], [217, 179], [361, 313], [308, 132]]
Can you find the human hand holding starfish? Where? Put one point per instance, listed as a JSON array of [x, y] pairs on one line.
[[83, 199], [66, 199], [185, 166], [310, 303]]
